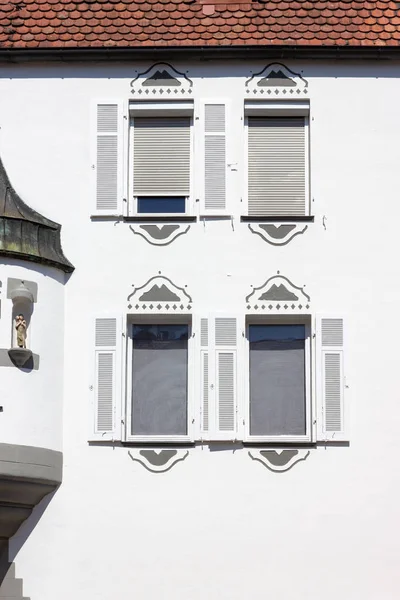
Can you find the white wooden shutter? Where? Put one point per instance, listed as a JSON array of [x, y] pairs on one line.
[[214, 119], [276, 166], [108, 157], [205, 378], [107, 384], [331, 417], [219, 336], [161, 156]]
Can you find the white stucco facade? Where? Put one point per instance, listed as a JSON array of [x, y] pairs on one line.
[[217, 524]]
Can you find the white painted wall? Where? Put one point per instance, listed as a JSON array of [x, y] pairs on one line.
[[218, 525]]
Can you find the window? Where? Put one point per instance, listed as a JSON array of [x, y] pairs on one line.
[[159, 407], [277, 148], [161, 156], [156, 379], [279, 382]]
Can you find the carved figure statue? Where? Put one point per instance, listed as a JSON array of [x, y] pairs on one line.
[[20, 326]]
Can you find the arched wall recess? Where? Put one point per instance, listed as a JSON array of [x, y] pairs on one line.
[[159, 295], [23, 295], [278, 295]]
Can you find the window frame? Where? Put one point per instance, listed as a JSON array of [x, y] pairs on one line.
[[276, 108], [160, 320], [309, 379], [159, 109]]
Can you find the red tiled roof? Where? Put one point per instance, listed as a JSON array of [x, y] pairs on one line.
[[158, 23]]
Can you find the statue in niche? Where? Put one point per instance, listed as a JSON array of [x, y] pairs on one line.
[[20, 326]]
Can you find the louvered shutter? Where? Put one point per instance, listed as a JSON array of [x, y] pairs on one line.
[[106, 405], [331, 417], [161, 156], [108, 157], [214, 119], [276, 166], [218, 351], [205, 378]]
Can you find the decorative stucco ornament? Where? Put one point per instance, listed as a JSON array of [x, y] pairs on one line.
[[278, 295], [276, 81], [162, 80], [158, 461], [159, 295], [277, 234], [158, 234], [279, 460]]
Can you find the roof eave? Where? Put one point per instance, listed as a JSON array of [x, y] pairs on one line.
[[310, 52]]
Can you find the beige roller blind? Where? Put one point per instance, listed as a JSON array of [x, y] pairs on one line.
[[161, 156], [276, 166]]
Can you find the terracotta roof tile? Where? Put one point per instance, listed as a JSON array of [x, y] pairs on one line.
[[124, 23]]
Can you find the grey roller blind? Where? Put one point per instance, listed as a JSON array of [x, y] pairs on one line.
[[159, 381], [276, 165], [277, 381], [161, 156]]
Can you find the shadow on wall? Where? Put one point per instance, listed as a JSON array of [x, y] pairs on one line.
[[9, 551]]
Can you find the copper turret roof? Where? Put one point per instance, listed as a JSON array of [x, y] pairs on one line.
[[24, 233]]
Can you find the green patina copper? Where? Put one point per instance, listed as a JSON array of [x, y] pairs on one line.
[[25, 234]]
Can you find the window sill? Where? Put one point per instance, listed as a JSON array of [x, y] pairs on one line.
[[277, 219], [176, 218]]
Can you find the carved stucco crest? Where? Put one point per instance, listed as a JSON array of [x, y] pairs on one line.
[[276, 81], [277, 234], [158, 461], [162, 80], [277, 295], [160, 235], [279, 460], [159, 295]]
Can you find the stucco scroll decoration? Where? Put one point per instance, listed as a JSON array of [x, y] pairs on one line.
[[276, 81], [162, 80], [279, 460], [277, 295], [277, 234], [158, 461], [160, 235], [159, 295]]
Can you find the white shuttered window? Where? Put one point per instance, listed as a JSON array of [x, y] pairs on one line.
[[276, 166], [161, 156]]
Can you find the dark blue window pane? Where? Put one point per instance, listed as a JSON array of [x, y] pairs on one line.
[[160, 333], [276, 333], [161, 204]]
